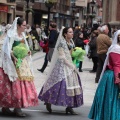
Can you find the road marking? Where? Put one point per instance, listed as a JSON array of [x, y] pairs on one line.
[[32, 110]]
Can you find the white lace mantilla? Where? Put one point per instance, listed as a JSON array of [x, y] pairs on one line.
[[6, 61], [64, 69]]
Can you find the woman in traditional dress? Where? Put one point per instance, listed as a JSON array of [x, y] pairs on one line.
[[106, 103], [63, 86], [17, 88]]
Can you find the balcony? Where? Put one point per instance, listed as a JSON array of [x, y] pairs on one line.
[[8, 2], [40, 1], [11, 1], [62, 8]]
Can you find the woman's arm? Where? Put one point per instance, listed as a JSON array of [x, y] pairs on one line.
[[114, 61], [14, 58]]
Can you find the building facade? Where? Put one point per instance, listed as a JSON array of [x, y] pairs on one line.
[[7, 11], [111, 13], [93, 12], [60, 12]]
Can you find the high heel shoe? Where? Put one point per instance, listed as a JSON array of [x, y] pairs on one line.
[[70, 110], [48, 107]]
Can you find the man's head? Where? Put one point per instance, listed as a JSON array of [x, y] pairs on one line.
[[52, 26], [104, 29]]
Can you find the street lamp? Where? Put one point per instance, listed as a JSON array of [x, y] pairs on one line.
[[92, 5], [73, 12], [49, 4], [27, 8]]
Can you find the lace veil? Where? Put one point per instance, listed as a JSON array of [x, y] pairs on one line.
[[61, 70], [113, 48], [6, 61], [55, 53]]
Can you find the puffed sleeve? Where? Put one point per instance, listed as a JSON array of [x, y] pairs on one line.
[[63, 57], [115, 63]]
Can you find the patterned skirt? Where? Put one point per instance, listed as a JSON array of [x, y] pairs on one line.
[[106, 104], [57, 94], [17, 94]]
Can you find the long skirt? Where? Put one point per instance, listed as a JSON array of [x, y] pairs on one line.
[[106, 104], [17, 94], [56, 95]]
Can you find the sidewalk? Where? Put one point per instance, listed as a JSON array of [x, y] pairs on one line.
[[87, 79]]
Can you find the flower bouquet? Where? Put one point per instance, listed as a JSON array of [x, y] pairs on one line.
[[20, 51], [78, 55]]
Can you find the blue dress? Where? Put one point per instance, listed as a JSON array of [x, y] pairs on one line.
[[106, 104]]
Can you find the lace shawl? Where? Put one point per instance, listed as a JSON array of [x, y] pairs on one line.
[[6, 61], [64, 69]]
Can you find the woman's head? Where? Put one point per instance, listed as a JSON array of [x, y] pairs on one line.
[[80, 35], [21, 24], [118, 38], [67, 33]]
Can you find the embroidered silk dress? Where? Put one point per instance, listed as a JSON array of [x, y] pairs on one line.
[[106, 104], [63, 86], [21, 92]]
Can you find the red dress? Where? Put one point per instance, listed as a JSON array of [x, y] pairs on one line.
[[20, 93], [114, 64], [17, 94]]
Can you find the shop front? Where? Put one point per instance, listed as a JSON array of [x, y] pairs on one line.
[[7, 13]]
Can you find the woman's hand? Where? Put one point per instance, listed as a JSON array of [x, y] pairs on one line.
[[15, 60], [29, 53]]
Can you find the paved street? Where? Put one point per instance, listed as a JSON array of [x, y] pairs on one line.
[[40, 112]]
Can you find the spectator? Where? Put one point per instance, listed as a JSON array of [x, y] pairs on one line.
[[103, 43]]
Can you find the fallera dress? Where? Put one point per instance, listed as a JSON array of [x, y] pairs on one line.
[[106, 103], [21, 92], [63, 86]]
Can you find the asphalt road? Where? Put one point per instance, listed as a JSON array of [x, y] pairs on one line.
[[40, 113]]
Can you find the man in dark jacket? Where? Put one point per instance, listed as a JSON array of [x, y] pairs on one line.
[[51, 45], [52, 39]]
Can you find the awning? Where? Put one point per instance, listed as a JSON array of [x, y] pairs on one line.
[[3, 8], [114, 23], [81, 3]]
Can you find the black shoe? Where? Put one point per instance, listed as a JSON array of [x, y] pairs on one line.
[[18, 112], [80, 71], [92, 71], [48, 107], [7, 112], [40, 70], [70, 110], [96, 81]]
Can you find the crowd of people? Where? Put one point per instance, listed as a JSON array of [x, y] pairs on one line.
[[65, 50]]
